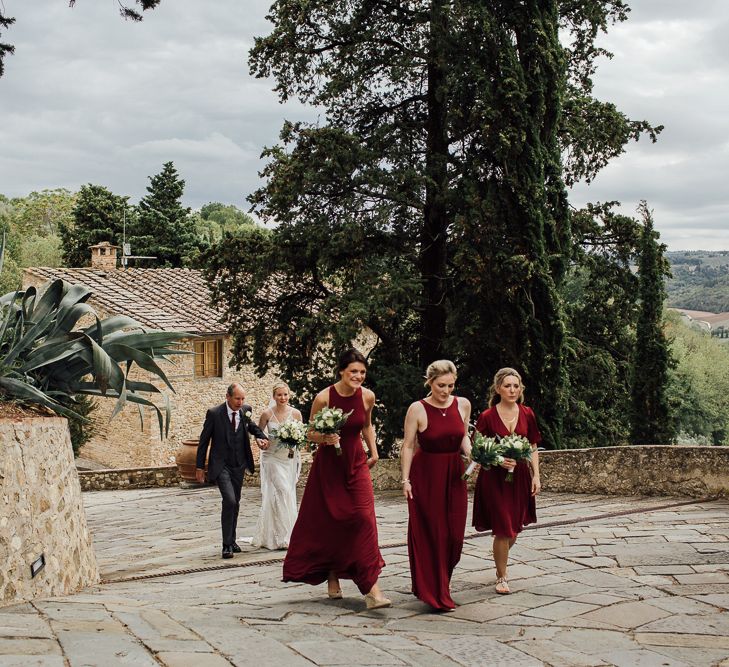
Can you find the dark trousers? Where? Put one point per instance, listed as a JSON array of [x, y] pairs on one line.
[[230, 481]]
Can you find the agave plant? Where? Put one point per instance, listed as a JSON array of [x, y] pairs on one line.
[[46, 359]]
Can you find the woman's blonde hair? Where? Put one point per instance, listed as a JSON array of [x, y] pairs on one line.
[[499, 378], [438, 368], [280, 384]]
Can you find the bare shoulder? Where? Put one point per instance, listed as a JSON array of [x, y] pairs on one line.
[[297, 414], [368, 396], [463, 403], [322, 398], [416, 409]]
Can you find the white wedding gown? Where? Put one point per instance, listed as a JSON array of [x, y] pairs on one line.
[[279, 475]]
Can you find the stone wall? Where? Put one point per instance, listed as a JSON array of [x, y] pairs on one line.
[[651, 470], [663, 470], [41, 512], [128, 478]]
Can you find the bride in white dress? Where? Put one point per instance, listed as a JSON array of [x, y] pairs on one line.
[[279, 475]]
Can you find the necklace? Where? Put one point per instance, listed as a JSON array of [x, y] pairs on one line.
[[442, 409]]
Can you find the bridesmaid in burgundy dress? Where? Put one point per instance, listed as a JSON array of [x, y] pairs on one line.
[[500, 506], [335, 535], [436, 494]]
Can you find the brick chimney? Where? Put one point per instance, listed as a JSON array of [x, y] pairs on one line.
[[103, 256]]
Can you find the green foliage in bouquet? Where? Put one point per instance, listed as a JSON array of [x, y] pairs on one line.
[[487, 452], [515, 447], [293, 435]]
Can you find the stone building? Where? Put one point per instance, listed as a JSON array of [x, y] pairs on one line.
[[171, 300]]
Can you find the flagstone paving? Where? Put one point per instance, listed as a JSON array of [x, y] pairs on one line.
[[650, 587]]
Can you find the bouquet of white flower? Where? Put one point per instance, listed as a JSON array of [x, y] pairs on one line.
[[292, 434], [329, 421], [515, 447], [485, 452]]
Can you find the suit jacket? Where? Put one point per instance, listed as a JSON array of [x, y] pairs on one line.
[[218, 433]]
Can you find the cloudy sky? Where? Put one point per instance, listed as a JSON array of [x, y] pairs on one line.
[[88, 97]]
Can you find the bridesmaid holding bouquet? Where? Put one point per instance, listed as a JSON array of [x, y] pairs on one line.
[[335, 535], [504, 498], [436, 494]]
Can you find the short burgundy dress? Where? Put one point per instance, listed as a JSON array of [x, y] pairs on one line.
[[500, 506], [336, 529], [438, 507]]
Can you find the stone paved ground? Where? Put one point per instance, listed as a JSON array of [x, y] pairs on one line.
[[646, 588]]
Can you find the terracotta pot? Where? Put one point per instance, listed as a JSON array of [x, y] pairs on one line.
[[186, 459]]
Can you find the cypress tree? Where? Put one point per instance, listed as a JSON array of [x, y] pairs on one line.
[[651, 421]]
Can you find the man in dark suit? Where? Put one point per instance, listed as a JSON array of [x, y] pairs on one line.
[[227, 427]]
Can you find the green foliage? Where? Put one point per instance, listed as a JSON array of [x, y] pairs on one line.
[[651, 421], [11, 276], [30, 224], [699, 281], [601, 298], [41, 251], [45, 360], [42, 213], [699, 387], [164, 228], [81, 427], [98, 215]]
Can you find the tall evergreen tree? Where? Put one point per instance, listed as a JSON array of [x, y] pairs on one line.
[[164, 228], [98, 215], [430, 206], [601, 303], [651, 421]]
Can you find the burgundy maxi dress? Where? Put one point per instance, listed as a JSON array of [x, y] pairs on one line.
[[336, 529], [500, 506], [438, 507]]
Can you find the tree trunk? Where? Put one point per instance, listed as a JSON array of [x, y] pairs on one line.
[[435, 224]]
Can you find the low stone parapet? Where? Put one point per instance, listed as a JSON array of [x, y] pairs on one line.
[[647, 470], [128, 478], [650, 470]]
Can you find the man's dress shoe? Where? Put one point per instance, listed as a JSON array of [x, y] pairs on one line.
[[236, 548], [227, 551]]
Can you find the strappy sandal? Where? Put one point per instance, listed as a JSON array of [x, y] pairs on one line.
[[502, 586]]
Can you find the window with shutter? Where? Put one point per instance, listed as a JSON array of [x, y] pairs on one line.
[[208, 357]]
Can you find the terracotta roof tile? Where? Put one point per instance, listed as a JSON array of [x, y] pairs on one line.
[[168, 299]]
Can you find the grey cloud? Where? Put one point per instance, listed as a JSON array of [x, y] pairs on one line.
[[90, 98]]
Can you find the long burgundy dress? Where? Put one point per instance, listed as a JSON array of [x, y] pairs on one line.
[[438, 507], [500, 506], [336, 529]]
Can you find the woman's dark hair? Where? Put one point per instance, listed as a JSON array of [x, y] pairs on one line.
[[350, 356]]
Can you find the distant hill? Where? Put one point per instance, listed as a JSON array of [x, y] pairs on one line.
[[700, 280]]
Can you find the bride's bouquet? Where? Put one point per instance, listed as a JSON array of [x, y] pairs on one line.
[[515, 447], [485, 452], [292, 434], [329, 421]]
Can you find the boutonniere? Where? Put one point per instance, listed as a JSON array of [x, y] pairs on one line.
[[247, 414]]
